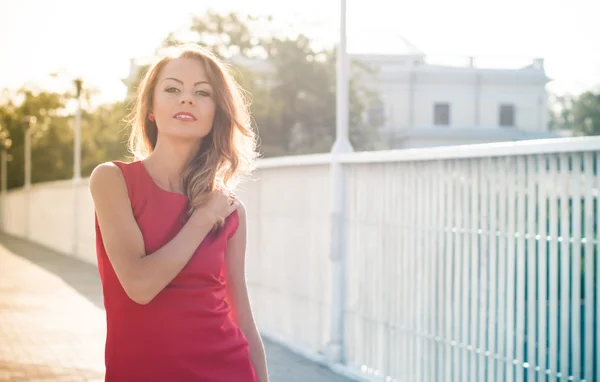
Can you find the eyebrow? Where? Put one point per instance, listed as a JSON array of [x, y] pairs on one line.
[[181, 82]]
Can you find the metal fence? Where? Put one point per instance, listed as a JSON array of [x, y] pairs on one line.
[[475, 266]]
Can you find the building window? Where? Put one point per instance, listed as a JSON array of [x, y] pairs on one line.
[[441, 114], [506, 115]]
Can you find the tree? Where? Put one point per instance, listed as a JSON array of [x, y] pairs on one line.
[[227, 35], [559, 113], [292, 84], [586, 114], [104, 135], [578, 114], [51, 157], [52, 135]]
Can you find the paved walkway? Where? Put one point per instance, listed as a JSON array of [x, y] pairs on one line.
[[52, 322]]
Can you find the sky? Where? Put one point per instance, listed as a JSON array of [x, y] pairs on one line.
[[96, 39]]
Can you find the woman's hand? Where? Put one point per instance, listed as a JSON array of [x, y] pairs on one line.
[[218, 208]]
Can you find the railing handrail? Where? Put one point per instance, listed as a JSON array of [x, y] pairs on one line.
[[526, 147]]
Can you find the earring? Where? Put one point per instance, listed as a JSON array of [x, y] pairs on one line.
[[151, 117]]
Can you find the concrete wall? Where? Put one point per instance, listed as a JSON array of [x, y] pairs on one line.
[[57, 214]]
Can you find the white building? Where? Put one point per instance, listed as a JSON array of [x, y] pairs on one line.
[[426, 104]]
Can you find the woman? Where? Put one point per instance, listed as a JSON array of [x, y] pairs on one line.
[[170, 236]]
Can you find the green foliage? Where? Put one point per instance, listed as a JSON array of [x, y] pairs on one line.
[[580, 114], [290, 83], [293, 93], [104, 135], [52, 136]]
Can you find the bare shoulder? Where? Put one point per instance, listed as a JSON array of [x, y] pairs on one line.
[[105, 177]]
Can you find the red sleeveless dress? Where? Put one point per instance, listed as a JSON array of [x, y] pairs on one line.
[[185, 333]]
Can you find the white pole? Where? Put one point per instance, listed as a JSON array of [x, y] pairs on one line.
[[337, 202], [28, 158], [3, 184], [76, 168], [27, 177], [3, 168], [77, 137], [342, 142]]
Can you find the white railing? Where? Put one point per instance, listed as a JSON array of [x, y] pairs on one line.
[[452, 273], [446, 277]]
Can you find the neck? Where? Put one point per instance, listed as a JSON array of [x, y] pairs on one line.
[[168, 161]]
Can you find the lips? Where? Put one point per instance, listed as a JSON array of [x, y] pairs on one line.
[[185, 116]]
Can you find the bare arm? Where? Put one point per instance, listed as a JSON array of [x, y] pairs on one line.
[[142, 275], [238, 295]]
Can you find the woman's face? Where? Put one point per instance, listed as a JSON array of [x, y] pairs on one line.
[[184, 106]]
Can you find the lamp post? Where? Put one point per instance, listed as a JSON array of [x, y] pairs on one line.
[[342, 141], [5, 144], [76, 167], [337, 253], [3, 165], [78, 83], [28, 123], [77, 133]]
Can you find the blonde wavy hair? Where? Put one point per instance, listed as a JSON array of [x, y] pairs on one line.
[[227, 154]]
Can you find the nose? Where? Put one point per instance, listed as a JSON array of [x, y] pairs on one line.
[[186, 99]]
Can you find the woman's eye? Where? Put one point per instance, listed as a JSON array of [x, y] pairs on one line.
[[171, 90], [203, 93]]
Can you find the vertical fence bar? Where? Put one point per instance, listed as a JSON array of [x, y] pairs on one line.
[[502, 277], [426, 307], [596, 358], [589, 269], [565, 260], [405, 284], [371, 279], [464, 279], [543, 185], [493, 315], [457, 274], [484, 266], [428, 240], [510, 270], [394, 273], [391, 269], [553, 255], [411, 273], [532, 268], [576, 323], [521, 230], [449, 300], [418, 273], [440, 223], [474, 301], [381, 276]]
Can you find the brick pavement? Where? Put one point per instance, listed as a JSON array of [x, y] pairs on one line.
[[52, 322]]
